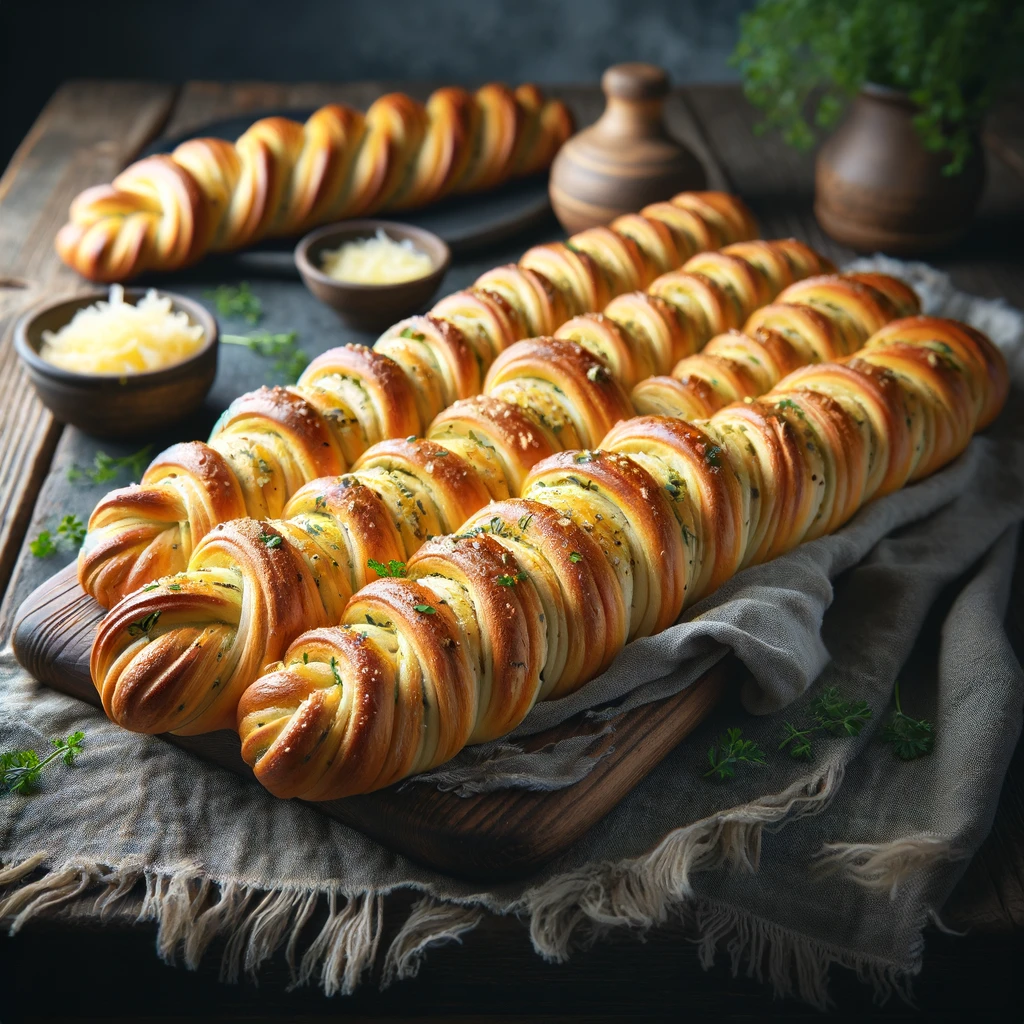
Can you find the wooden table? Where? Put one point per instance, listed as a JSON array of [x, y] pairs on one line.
[[86, 133]]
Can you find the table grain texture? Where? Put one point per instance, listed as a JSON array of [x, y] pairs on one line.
[[87, 132]]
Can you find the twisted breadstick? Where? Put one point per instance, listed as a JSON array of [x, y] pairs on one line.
[[272, 441], [535, 596], [545, 396], [282, 177]]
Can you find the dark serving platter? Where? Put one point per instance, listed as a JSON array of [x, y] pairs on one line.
[[464, 222]]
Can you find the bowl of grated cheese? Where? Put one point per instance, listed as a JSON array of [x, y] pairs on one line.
[[122, 363], [372, 272]]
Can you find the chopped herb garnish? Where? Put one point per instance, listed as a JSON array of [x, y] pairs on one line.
[[289, 359], [271, 540], [335, 672], [508, 580], [910, 737], [43, 546], [393, 568], [237, 302], [143, 626], [425, 609], [728, 751], [575, 556], [106, 467], [525, 521], [20, 769]]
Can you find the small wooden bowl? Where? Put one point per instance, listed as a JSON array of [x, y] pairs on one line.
[[371, 307], [113, 405]]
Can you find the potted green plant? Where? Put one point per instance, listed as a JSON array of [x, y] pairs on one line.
[[905, 170]]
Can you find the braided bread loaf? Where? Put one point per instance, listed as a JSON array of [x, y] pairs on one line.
[[239, 599], [282, 177], [272, 441], [535, 596]]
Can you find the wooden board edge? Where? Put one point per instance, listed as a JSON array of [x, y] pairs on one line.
[[497, 835]]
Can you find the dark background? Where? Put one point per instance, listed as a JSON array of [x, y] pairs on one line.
[[450, 41]]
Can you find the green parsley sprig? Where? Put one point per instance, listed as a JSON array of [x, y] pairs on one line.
[[288, 359], [393, 568], [70, 530], [106, 467], [730, 750], [239, 302], [910, 737], [832, 713], [20, 769]]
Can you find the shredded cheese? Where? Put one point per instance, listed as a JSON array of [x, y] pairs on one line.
[[118, 337], [377, 260]]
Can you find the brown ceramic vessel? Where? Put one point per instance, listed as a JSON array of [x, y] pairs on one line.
[[625, 160], [878, 188], [117, 405], [371, 307]]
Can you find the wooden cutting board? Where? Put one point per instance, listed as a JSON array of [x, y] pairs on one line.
[[489, 836]]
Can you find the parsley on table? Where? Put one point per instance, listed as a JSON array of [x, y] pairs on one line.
[[20, 769], [289, 359], [730, 750], [70, 529], [106, 467], [237, 302], [43, 546], [910, 737]]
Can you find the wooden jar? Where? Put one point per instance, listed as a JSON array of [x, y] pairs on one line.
[[625, 160]]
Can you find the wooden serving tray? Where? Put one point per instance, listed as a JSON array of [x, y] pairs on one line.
[[489, 836]]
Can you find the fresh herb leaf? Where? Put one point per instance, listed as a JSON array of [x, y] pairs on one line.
[[43, 546], [426, 609], [729, 750], [143, 626], [238, 302], [393, 568], [910, 737], [335, 672], [840, 716], [270, 539], [575, 556], [289, 359], [72, 529], [524, 522], [106, 467], [508, 580], [20, 769], [798, 741]]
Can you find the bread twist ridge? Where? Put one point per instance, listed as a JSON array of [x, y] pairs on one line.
[[545, 396], [272, 441], [282, 177], [535, 596]]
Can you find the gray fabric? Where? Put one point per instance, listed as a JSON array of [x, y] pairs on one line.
[[848, 868]]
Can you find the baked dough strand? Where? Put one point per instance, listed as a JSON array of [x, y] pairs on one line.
[[544, 396], [272, 441], [534, 596]]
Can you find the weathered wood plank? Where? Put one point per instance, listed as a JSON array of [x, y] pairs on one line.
[[84, 136]]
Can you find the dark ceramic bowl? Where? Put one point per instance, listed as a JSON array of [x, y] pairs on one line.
[[117, 405], [370, 307]]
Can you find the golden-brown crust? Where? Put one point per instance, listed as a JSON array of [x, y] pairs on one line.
[[282, 177]]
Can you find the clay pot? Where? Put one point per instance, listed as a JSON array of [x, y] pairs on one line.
[[625, 160], [878, 188]]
